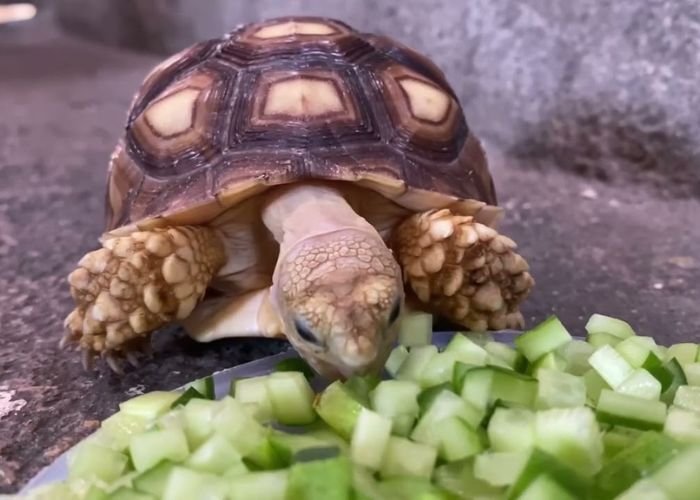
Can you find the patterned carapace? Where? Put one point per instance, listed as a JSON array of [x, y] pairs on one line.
[[283, 101]]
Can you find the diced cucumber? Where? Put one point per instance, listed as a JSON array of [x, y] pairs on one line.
[[189, 394], [410, 488], [415, 329], [572, 435], [402, 425], [500, 468], [254, 390], [119, 428], [559, 390], [540, 462], [545, 337], [600, 339], [125, 493], [683, 425], [594, 385], [418, 358], [673, 367], [406, 458], [291, 397], [692, 373], [198, 415], [438, 370], [634, 350], [205, 386], [684, 352], [174, 419], [360, 387], [511, 429], [550, 361], [654, 365], [512, 358], [679, 477], [641, 384], [617, 439], [688, 397], [150, 405], [575, 355], [599, 323], [476, 387], [396, 358], [336, 406], [458, 478], [466, 350], [267, 485], [295, 365], [286, 446], [92, 461], [630, 411], [446, 404], [237, 425], [610, 366], [545, 488], [645, 489], [154, 479], [329, 479], [512, 387], [151, 447], [215, 455], [397, 400], [427, 396], [369, 439], [456, 440], [186, 484], [93, 493]]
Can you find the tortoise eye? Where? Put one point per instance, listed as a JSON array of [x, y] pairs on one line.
[[395, 311], [305, 332]]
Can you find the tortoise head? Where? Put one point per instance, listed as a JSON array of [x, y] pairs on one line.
[[340, 296]]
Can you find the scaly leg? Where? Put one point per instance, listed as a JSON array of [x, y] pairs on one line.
[[138, 283], [466, 271]]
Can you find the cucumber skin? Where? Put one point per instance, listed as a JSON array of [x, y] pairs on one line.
[[540, 461], [543, 338], [329, 479], [337, 407], [609, 401]]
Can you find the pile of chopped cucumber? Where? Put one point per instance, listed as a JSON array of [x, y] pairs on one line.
[[552, 418]]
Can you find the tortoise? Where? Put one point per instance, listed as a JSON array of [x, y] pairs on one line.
[[295, 178]]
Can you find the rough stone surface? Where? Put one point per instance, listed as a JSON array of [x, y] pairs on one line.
[[593, 247], [605, 89]]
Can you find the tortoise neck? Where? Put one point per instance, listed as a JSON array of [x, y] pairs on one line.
[[298, 212]]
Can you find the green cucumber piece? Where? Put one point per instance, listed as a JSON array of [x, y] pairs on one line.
[[645, 489], [594, 385], [149, 448], [215, 455], [599, 323], [545, 337], [291, 397], [503, 352], [692, 373], [466, 350], [559, 390], [397, 400], [369, 439], [511, 429], [197, 416], [125, 493], [402, 425], [688, 397], [186, 484], [360, 386], [476, 387], [91, 461], [410, 488], [254, 390], [396, 358], [597, 340], [610, 365], [683, 425], [617, 439], [150, 405], [540, 462], [635, 350], [630, 411], [458, 478], [416, 329], [418, 358], [445, 405], [654, 365], [267, 485], [550, 361], [93, 493], [545, 488], [118, 429], [639, 459], [295, 365], [439, 370], [512, 387], [286, 446], [500, 468], [406, 458], [641, 384], [674, 367], [204, 385], [338, 408], [329, 479], [679, 476], [684, 352], [235, 423], [189, 394], [575, 355], [427, 396], [456, 440], [572, 435], [154, 479]]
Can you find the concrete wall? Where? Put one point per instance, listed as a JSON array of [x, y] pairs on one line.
[[604, 88]]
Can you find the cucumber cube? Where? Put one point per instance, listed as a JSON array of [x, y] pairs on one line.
[[369, 439], [635, 350], [641, 384], [406, 458], [215, 455], [594, 385], [511, 429], [397, 400], [572, 435], [416, 329], [560, 390], [456, 440], [254, 390], [512, 387], [466, 350], [597, 340], [476, 387], [329, 479], [125, 493], [688, 397], [153, 480], [458, 478], [610, 366], [438, 370], [575, 355], [617, 439], [233, 422], [198, 417], [545, 337], [291, 397], [692, 373], [118, 429], [679, 477], [91, 461], [545, 488], [445, 405], [267, 485], [685, 352], [204, 386], [503, 352], [336, 406], [150, 405], [550, 361], [683, 425], [540, 462], [396, 358], [645, 489], [599, 323], [630, 411], [186, 484], [418, 358], [151, 447], [409, 488], [500, 468]]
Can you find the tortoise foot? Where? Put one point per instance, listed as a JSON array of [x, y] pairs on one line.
[[466, 271]]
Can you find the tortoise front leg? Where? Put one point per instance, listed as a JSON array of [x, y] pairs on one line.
[[137, 283], [465, 270]]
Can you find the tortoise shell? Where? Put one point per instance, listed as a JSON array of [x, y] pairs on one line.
[[287, 100]]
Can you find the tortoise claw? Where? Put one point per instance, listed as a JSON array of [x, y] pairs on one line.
[[114, 364], [132, 359], [87, 359]]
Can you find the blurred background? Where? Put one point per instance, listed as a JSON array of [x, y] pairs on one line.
[[590, 111]]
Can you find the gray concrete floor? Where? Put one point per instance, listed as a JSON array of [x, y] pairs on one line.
[[592, 247]]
